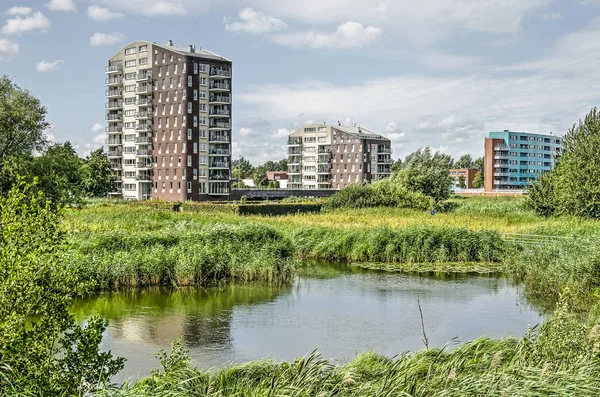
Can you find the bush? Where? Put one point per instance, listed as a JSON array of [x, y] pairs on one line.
[[383, 193], [278, 208]]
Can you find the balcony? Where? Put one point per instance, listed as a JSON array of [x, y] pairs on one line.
[[219, 125], [218, 188], [324, 169], [113, 93], [114, 153], [384, 150], [294, 170], [113, 129], [143, 178], [501, 174], [216, 86], [143, 89], [294, 185], [143, 165], [294, 159], [219, 113], [143, 77], [324, 159], [144, 102], [143, 115], [500, 157], [218, 152], [384, 161], [113, 81], [324, 151], [294, 142], [143, 153], [218, 164], [115, 166], [113, 69], [384, 171], [143, 139], [113, 117], [220, 73], [218, 138], [219, 99], [294, 150], [114, 105], [143, 127], [218, 176], [113, 142]]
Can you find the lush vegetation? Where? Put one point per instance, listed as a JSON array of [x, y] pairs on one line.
[[572, 187], [43, 351]]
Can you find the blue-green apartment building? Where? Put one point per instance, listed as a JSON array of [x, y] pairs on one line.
[[514, 159]]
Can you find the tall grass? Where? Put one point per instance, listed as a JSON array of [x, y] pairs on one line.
[[182, 256], [560, 358]]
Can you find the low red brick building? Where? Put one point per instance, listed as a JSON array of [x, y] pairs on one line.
[[468, 173]]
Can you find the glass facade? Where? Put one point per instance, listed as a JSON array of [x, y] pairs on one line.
[[519, 158]]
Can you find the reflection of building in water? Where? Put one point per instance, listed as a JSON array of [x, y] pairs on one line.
[[202, 317]]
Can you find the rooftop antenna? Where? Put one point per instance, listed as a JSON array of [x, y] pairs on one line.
[[339, 124]]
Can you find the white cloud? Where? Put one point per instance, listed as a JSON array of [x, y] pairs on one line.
[[96, 127], [255, 22], [551, 16], [45, 66], [8, 49], [19, 25], [19, 10], [61, 5], [106, 38], [348, 34], [163, 8], [101, 14]]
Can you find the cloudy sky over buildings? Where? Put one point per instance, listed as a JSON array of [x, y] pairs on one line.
[[439, 73]]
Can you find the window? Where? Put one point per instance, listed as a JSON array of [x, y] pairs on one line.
[[189, 81], [322, 139], [130, 88], [203, 107], [143, 48], [309, 149], [203, 68], [195, 121], [179, 81], [130, 50], [130, 113], [203, 94], [202, 172], [202, 147], [202, 120], [189, 108], [195, 147], [178, 109], [310, 139], [202, 187], [202, 159], [195, 68], [170, 110], [129, 64], [202, 81], [195, 95], [175, 72], [129, 76], [143, 61], [310, 129], [189, 134], [202, 133], [189, 187]]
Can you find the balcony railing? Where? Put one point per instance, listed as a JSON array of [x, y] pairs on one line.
[[384, 161], [143, 76], [384, 150], [294, 170], [143, 89], [114, 153], [324, 169], [218, 177], [143, 115], [294, 141], [113, 68], [143, 165], [219, 112], [220, 152], [218, 86], [220, 72], [219, 124], [113, 80], [294, 150], [220, 98], [114, 104], [113, 129], [143, 152], [143, 139], [144, 102], [113, 93], [114, 117], [143, 127], [143, 177], [218, 138], [218, 164], [113, 142]]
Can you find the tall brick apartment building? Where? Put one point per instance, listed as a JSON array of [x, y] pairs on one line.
[[322, 156], [168, 115]]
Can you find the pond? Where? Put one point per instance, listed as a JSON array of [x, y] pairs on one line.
[[339, 309]]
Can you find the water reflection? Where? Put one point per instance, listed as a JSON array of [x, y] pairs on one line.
[[343, 310]]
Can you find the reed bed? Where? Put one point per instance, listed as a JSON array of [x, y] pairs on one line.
[[182, 255]]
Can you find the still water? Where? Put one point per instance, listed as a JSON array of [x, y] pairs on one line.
[[340, 310]]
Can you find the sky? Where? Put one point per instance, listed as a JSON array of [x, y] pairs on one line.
[[438, 73]]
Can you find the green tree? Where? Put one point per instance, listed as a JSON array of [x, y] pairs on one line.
[[478, 164], [259, 176], [465, 161], [462, 182], [273, 185], [59, 173], [573, 186], [478, 180], [96, 175], [22, 121], [42, 349], [396, 165], [425, 173], [241, 168]]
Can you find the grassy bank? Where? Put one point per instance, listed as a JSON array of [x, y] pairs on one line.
[[558, 359]]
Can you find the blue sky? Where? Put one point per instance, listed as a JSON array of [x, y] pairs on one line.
[[439, 73]]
